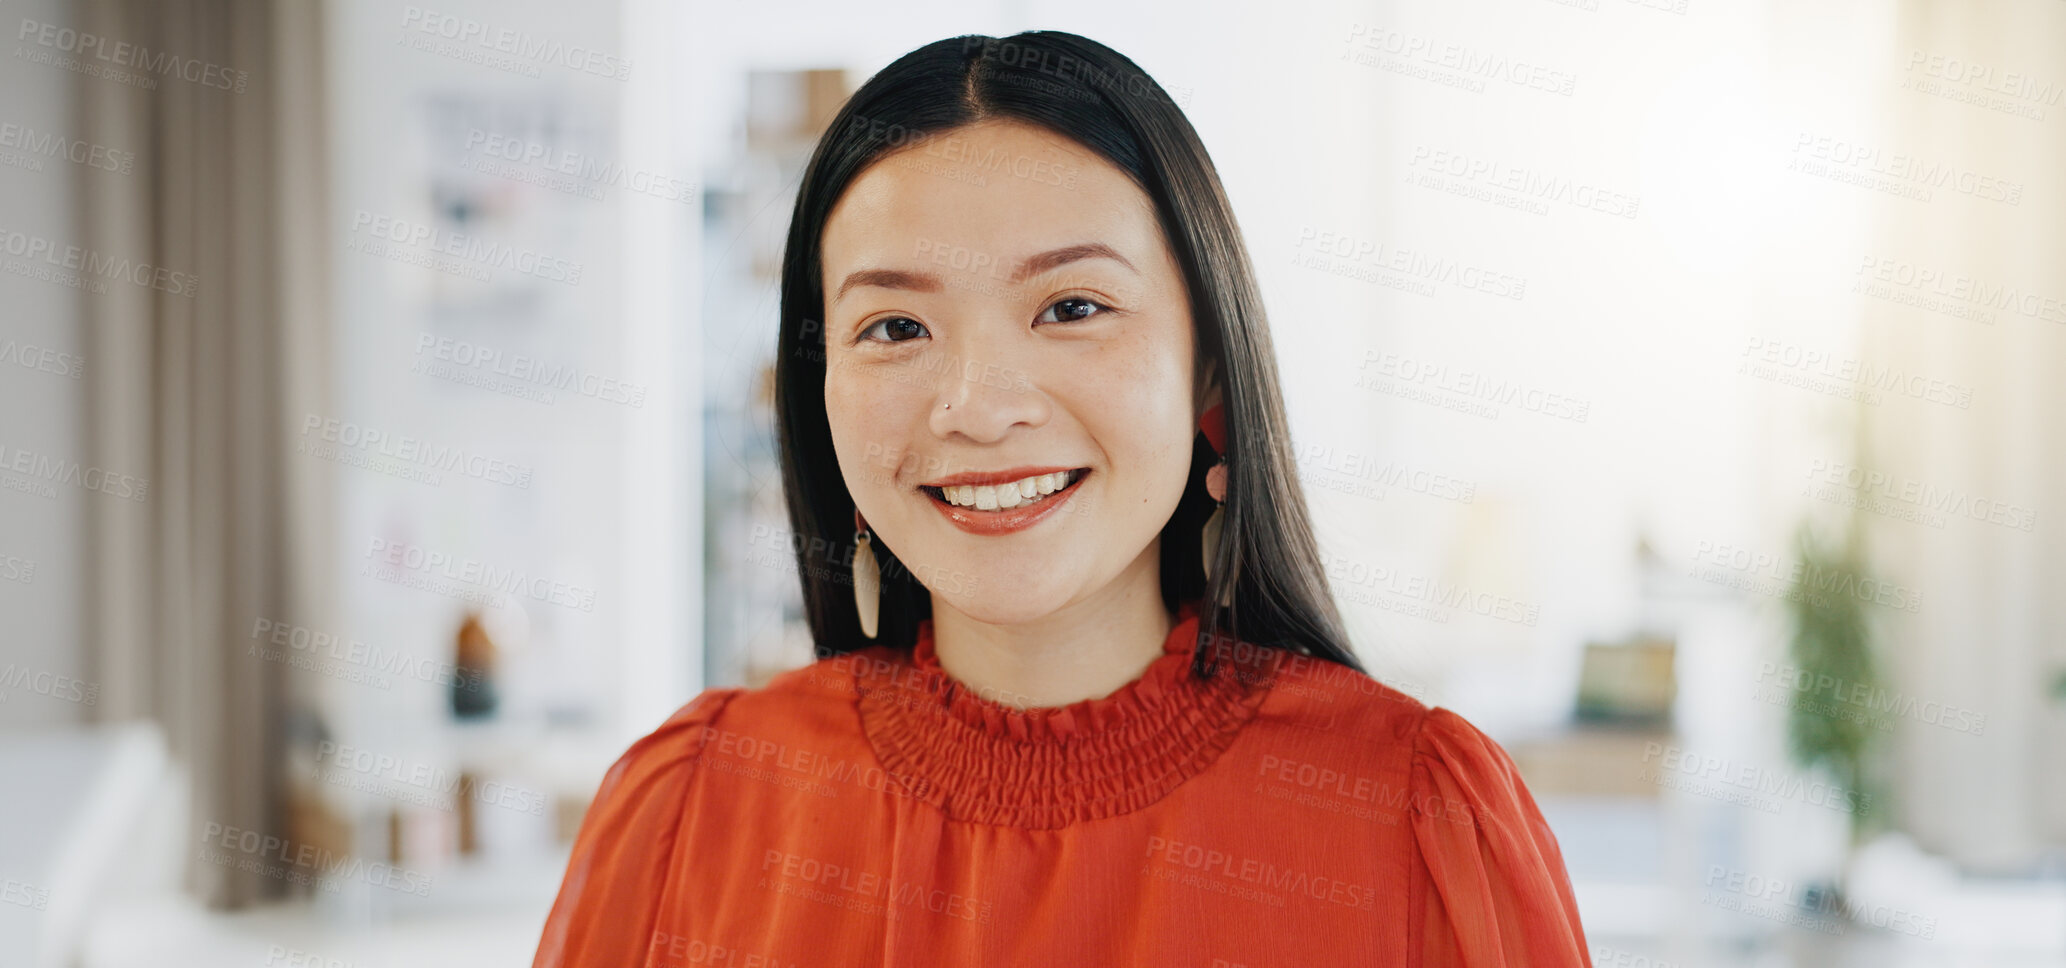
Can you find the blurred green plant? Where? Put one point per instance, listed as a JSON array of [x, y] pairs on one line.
[[1832, 643]]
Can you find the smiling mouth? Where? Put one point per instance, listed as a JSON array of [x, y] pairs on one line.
[[1007, 497]]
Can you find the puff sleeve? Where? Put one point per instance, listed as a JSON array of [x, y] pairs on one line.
[[1490, 889], [609, 899]]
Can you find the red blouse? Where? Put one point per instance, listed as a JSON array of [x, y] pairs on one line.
[[869, 809]]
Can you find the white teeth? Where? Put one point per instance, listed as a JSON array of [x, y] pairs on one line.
[[992, 497]]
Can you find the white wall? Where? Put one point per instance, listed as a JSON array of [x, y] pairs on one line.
[[41, 529]]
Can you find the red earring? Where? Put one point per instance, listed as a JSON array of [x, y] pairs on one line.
[[1214, 424]]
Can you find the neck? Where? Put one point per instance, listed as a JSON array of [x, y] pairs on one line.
[[1086, 649]]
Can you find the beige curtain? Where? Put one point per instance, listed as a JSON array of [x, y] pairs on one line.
[[194, 392], [1990, 633]]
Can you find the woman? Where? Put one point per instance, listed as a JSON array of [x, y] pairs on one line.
[[1023, 358]]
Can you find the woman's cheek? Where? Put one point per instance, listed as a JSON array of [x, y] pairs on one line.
[[1151, 393], [862, 413], [846, 416], [1160, 426]]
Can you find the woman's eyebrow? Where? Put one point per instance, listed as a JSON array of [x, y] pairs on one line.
[[1032, 266], [888, 279], [1054, 258]]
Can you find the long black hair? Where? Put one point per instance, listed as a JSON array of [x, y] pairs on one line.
[[1093, 95]]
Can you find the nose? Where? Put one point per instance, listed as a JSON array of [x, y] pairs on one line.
[[981, 401]]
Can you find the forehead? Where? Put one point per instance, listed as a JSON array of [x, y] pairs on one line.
[[1002, 190]]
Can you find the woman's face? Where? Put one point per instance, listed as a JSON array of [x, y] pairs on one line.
[[1001, 304]]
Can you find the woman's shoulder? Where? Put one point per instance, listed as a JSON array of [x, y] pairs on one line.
[[1490, 881], [1390, 727], [815, 700], [803, 704], [1496, 890], [1328, 698], [622, 851]]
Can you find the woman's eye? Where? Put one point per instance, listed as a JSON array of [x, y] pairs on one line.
[[1070, 310], [899, 324]]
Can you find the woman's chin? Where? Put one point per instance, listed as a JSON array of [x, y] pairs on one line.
[[1004, 602]]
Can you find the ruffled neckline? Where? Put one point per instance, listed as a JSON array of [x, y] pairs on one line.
[[987, 762]]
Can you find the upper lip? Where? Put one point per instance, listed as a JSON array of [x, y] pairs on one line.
[[1006, 476]]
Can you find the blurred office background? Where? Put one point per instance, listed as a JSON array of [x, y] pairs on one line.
[[385, 438]]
